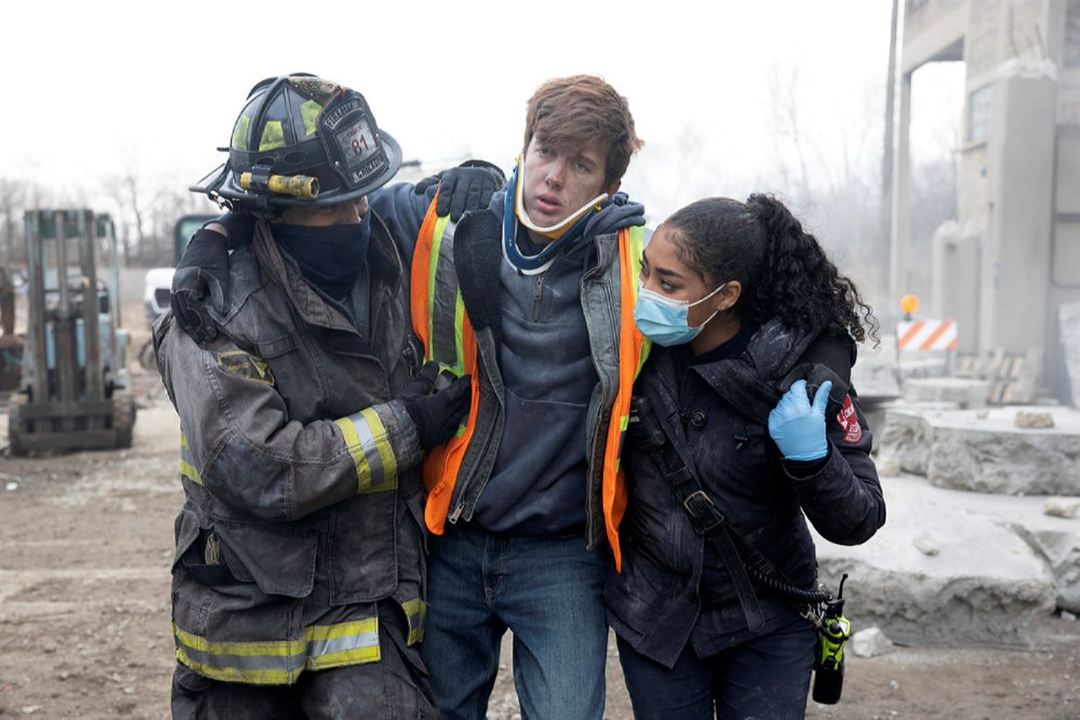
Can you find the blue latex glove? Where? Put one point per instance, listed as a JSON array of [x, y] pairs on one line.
[[797, 427]]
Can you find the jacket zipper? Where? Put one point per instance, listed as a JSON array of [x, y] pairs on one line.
[[538, 295], [462, 484]]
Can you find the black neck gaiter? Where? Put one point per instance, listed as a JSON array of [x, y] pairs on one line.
[[329, 257]]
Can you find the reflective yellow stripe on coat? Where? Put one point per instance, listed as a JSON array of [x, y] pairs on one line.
[[280, 662], [370, 449]]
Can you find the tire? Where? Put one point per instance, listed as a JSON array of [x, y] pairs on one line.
[[146, 356], [123, 417], [17, 427]]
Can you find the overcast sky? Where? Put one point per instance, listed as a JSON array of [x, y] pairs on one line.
[[100, 88]]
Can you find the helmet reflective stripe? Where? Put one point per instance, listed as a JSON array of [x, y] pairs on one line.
[[368, 445], [633, 351], [273, 136], [240, 133], [309, 113]]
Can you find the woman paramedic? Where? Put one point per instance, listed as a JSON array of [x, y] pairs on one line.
[[744, 425]]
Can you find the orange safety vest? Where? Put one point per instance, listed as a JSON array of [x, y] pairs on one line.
[[442, 324]]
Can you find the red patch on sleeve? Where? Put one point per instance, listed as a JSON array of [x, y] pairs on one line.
[[849, 421]]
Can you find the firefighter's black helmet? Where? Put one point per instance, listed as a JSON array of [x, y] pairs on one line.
[[297, 128]]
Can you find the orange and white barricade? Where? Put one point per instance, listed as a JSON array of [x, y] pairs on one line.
[[926, 335]]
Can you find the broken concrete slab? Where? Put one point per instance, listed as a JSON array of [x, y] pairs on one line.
[[985, 584], [1069, 317], [983, 451], [871, 642], [906, 435], [1064, 507], [876, 375], [965, 392], [921, 365], [1033, 420]]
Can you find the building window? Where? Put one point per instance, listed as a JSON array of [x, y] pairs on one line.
[[978, 125], [1072, 36]]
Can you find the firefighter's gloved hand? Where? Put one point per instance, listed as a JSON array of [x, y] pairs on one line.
[[239, 228], [466, 187], [797, 427], [438, 415], [202, 275], [424, 380], [190, 295]]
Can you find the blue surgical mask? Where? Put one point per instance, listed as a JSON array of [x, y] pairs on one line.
[[664, 320]]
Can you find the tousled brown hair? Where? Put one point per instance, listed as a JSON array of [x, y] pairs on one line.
[[583, 109]]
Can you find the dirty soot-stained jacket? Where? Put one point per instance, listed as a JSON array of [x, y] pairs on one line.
[[673, 588], [303, 496]]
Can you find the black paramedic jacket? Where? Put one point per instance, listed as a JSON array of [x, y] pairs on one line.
[[665, 595]]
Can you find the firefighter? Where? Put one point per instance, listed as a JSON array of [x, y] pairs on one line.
[[299, 577]]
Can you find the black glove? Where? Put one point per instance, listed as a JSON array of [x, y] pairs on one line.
[[190, 295], [239, 226], [466, 187], [424, 380], [202, 276], [438, 415]]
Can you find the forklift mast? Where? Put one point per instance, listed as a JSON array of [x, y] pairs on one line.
[[75, 377]]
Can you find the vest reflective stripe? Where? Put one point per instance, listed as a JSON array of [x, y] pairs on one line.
[[433, 284], [187, 462], [447, 308], [633, 351], [280, 662], [416, 612], [366, 440]]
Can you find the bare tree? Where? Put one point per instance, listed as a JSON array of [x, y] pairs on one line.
[[12, 201], [788, 135]]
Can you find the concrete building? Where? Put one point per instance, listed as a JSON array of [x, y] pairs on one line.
[[1012, 255]]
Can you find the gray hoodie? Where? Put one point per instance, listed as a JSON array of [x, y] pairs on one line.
[[538, 484]]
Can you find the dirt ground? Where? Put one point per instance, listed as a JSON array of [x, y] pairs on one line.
[[85, 545]]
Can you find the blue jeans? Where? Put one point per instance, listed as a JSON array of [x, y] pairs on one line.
[[766, 677], [547, 591]]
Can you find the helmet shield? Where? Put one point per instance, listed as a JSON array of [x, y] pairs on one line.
[[303, 125], [350, 138]]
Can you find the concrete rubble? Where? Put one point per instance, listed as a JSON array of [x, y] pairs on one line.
[[983, 451], [1033, 420], [1000, 563], [1064, 507], [1069, 319], [871, 642], [965, 392]]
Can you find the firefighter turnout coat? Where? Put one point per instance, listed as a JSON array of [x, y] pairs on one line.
[[303, 512]]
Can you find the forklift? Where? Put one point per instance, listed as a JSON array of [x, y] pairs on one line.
[[75, 390]]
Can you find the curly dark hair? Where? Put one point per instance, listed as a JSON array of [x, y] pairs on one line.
[[783, 270]]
